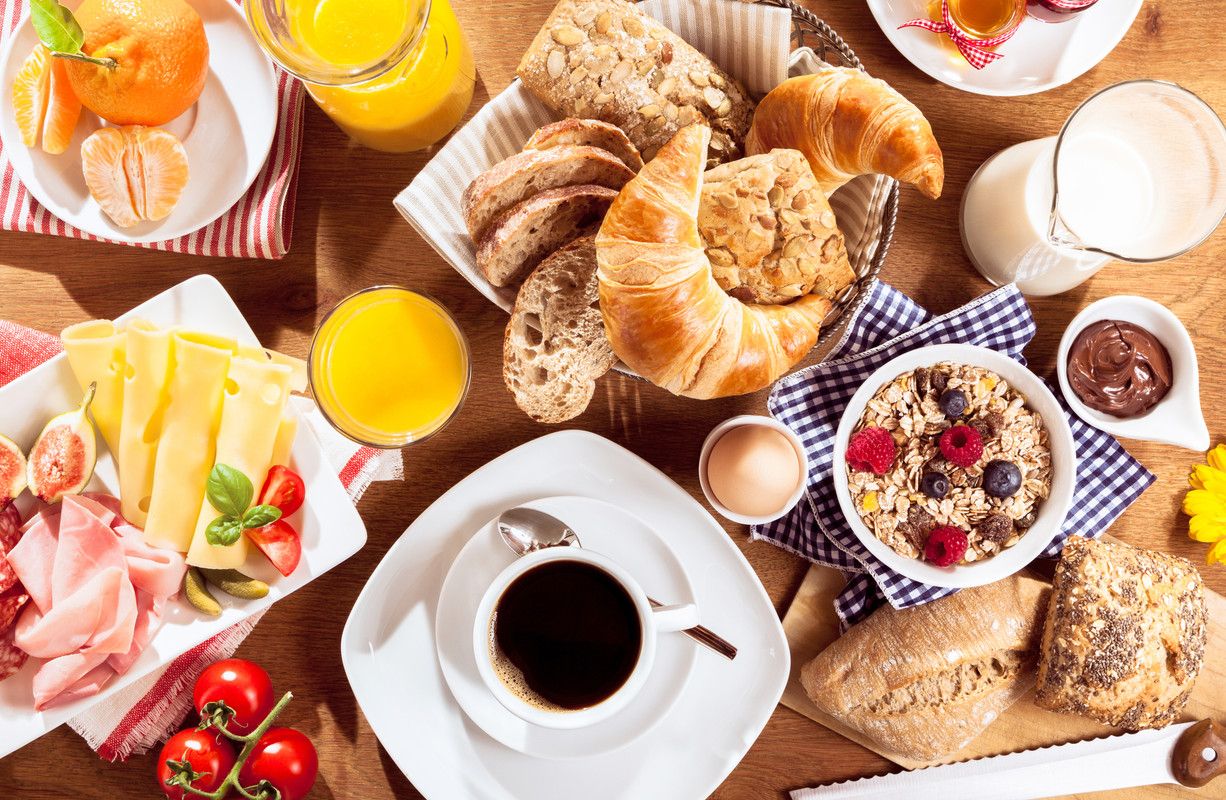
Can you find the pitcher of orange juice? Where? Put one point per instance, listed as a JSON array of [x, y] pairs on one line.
[[396, 75]]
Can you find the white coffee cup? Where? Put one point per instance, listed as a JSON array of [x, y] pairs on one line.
[[652, 622]]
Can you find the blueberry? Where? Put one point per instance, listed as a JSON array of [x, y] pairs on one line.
[[1001, 479], [934, 484], [953, 403]]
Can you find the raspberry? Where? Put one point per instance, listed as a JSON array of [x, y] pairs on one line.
[[871, 450], [945, 546], [962, 445]]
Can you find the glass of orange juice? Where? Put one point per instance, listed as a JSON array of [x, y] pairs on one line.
[[389, 367], [396, 75]]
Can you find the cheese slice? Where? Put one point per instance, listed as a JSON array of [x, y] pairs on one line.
[[282, 449], [96, 354], [145, 398], [189, 430], [254, 405]]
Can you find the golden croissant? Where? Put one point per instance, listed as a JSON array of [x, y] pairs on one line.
[[848, 123], [664, 314]]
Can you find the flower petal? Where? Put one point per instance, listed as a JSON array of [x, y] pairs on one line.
[[1217, 457], [1217, 553], [1206, 529], [1202, 501]]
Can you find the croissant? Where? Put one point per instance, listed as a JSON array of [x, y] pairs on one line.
[[664, 314], [848, 123]]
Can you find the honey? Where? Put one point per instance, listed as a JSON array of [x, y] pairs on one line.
[[982, 19]]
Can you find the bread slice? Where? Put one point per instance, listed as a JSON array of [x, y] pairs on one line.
[[555, 346], [514, 180], [517, 241], [591, 132]]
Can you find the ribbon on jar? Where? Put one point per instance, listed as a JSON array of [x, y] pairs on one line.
[[977, 52]]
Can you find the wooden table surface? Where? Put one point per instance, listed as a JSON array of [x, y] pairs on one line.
[[348, 236]]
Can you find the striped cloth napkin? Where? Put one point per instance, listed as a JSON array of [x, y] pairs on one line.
[[811, 403], [258, 226], [136, 719]]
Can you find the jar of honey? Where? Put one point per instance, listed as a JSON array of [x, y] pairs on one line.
[[982, 19]]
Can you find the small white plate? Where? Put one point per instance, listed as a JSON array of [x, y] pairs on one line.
[[602, 528], [1177, 419], [227, 135], [389, 652], [330, 526], [1040, 56], [1051, 513]]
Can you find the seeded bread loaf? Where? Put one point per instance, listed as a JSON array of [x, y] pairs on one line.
[[921, 683], [1125, 635], [770, 232], [555, 347], [608, 60], [591, 132]]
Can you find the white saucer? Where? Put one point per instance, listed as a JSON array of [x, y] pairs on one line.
[[1040, 56], [227, 134], [389, 651], [607, 530]]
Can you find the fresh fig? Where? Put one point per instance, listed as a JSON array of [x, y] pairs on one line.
[[12, 471], [62, 460]]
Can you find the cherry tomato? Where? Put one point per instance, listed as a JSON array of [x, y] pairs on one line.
[[286, 759], [209, 754], [243, 686], [283, 489], [280, 542]]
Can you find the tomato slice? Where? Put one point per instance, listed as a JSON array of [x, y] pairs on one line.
[[283, 489], [280, 542]]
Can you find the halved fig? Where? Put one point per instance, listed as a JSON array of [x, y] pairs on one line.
[[12, 471], [62, 460]]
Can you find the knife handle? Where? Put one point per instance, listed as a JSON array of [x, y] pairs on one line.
[[1199, 755]]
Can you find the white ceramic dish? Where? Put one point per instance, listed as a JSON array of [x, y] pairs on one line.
[[1177, 419], [330, 526], [606, 529], [1040, 56], [227, 133], [1051, 513], [388, 645], [736, 422]]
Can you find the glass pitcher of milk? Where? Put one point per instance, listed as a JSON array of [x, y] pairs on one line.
[[1137, 173]]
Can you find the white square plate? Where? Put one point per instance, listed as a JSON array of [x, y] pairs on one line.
[[28, 402]]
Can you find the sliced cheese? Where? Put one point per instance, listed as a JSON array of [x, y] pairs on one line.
[[189, 430], [298, 379], [252, 410], [145, 398], [96, 354], [283, 448]]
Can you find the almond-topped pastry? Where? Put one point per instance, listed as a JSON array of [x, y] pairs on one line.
[[1125, 635]]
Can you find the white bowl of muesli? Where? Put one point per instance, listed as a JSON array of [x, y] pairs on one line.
[[954, 465]]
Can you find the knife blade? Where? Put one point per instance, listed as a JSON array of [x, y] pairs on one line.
[[1095, 765]]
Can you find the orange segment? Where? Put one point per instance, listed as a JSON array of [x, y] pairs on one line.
[[134, 173], [63, 110], [44, 103]]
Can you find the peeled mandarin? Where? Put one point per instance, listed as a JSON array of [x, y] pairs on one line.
[[753, 470], [135, 173], [46, 108]]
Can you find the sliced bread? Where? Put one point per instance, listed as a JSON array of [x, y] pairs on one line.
[[591, 132], [518, 240], [514, 180], [555, 346]]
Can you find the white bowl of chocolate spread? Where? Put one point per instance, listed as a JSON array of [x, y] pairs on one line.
[[1127, 366]]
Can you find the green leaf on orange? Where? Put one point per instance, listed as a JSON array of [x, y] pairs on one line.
[[56, 26]]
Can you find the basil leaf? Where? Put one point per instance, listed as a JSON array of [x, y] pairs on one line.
[[259, 516], [224, 530], [229, 490], [56, 26]]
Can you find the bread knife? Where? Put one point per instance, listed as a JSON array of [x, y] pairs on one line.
[[1191, 754]]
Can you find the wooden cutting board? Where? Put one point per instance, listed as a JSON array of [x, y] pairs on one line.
[[811, 625]]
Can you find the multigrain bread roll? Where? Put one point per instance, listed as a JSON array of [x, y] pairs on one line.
[[1125, 635], [923, 682], [608, 60]]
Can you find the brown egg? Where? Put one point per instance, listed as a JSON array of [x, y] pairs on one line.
[[753, 470]]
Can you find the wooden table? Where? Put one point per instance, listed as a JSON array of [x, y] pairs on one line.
[[347, 236]]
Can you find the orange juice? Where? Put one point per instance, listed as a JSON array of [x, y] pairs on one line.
[[389, 367]]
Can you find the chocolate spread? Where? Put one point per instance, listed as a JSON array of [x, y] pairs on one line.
[[1119, 368]]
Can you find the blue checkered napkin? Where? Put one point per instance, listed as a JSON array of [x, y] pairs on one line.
[[811, 403]]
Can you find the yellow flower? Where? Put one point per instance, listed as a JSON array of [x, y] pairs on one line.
[[1205, 504], [1217, 553]]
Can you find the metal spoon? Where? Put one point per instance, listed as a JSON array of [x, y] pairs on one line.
[[526, 530]]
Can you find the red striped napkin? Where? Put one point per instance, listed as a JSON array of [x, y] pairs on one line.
[[258, 226], [136, 719]]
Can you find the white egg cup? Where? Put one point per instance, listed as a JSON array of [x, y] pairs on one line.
[[764, 422], [1177, 418]]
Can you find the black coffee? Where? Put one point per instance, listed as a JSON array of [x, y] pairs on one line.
[[566, 635]]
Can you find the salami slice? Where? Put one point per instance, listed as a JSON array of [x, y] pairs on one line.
[[11, 603], [10, 532], [12, 658]]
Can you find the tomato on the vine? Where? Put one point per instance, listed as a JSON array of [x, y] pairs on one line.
[[243, 686], [207, 755], [286, 759]]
